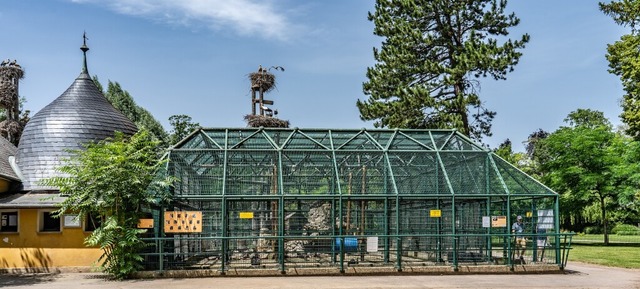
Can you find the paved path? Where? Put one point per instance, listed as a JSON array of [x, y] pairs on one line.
[[578, 275]]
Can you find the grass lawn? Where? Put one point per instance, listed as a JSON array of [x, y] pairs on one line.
[[599, 239], [614, 256]]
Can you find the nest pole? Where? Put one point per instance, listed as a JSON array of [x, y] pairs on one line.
[[253, 101], [261, 101]]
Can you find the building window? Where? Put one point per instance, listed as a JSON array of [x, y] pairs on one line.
[[48, 223], [9, 221], [92, 222]]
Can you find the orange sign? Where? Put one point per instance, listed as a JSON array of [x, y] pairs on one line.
[[498, 221], [145, 223], [183, 222]]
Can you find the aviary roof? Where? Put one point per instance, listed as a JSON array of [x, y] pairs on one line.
[[80, 115], [235, 161]]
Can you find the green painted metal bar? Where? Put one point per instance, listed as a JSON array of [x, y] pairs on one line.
[[225, 214], [398, 239], [495, 168], [488, 204], [375, 141], [523, 173], [280, 214], [511, 238], [453, 231], [340, 225], [387, 230], [212, 140], [313, 140], [471, 142], [161, 246], [565, 250], [451, 135], [417, 142], [439, 233], [556, 224]]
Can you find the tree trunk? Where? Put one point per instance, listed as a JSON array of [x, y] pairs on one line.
[[604, 220]]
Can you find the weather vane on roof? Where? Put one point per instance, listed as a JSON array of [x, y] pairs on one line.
[[84, 49]]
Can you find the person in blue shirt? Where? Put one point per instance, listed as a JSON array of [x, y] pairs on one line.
[[521, 241]]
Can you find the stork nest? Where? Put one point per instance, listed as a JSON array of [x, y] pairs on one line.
[[10, 127], [265, 121], [7, 98], [11, 71], [262, 80]]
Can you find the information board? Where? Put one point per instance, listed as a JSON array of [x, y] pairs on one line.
[[498, 221], [545, 219]]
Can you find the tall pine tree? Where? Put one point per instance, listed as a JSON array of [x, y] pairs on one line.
[[123, 101], [433, 55]]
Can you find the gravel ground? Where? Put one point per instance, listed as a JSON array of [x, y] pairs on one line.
[[577, 275]]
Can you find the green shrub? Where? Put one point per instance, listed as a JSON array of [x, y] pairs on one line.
[[592, 230], [625, 229]]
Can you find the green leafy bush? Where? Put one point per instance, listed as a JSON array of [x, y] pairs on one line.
[[593, 230], [625, 229], [114, 178]]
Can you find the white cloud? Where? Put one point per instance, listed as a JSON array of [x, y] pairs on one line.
[[246, 17]]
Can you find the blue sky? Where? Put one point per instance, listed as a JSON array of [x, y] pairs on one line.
[[193, 56]]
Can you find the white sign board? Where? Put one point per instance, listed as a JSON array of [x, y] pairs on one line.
[[545, 219], [486, 221], [72, 221], [372, 244]]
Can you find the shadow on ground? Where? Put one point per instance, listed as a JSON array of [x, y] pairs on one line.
[[26, 279]]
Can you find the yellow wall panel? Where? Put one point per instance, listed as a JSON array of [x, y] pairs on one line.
[[29, 248]]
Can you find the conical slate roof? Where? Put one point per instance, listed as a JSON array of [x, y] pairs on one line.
[[80, 115], [7, 150]]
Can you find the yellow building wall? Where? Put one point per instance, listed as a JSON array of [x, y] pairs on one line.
[[31, 249]]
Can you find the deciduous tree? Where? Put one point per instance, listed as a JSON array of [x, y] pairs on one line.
[[581, 160], [113, 179], [182, 126], [624, 59]]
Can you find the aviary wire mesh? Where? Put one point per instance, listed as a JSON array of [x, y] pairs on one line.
[[294, 198]]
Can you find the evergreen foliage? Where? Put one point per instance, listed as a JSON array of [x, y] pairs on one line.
[[433, 54], [123, 101]]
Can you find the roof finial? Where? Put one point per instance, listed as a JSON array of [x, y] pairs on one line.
[[84, 49]]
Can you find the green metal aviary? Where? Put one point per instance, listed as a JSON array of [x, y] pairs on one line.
[[293, 198]]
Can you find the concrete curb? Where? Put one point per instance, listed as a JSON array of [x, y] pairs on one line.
[[354, 271]]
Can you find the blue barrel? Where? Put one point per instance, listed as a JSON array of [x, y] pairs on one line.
[[350, 244]]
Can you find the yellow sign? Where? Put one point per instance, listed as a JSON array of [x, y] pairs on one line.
[[435, 213], [498, 221], [246, 215], [529, 214], [182, 222]]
